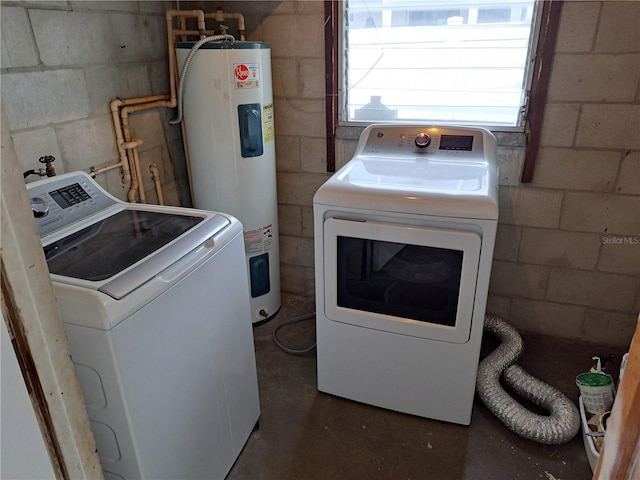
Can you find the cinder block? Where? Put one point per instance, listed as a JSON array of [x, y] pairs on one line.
[[511, 139], [499, 306], [307, 222], [310, 6], [577, 26], [620, 254], [607, 214], [147, 125], [32, 99], [106, 5], [160, 157], [297, 279], [507, 243], [287, 153], [532, 207], [30, 145], [160, 78], [560, 249], [629, 178], [314, 155], [559, 124], [156, 6], [112, 182], [299, 117], [296, 250], [290, 220], [312, 78], [18, 48], [609, 126], [510, 161], [295, 35], [609, 328], [170, 194], [285, 77], [116, 81], [139, 38], [618, 30], [574, 169], [292, 278], [594, 78], [547, 318], [345, 149], [592, 289], [299, 189], [74, 38], [518, 280], [87, 143]]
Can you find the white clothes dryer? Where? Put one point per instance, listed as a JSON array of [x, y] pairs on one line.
[[154, 302], [404, 238]]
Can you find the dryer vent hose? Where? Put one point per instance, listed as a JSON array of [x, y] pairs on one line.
[[563, 421]]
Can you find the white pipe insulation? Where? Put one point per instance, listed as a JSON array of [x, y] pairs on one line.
[[563, 421]]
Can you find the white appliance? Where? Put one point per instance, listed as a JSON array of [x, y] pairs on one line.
[[404, 237], [155, 306], [229, 122]]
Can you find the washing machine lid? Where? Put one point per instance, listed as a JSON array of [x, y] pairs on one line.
[[117, 254], [423, 186]]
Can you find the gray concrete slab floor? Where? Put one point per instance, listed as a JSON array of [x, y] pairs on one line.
[[306, 434]]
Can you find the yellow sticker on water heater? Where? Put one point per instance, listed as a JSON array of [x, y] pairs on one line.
[[267, 123]]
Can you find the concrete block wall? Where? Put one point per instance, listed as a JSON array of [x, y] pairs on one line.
[[295, 32], [567, 259], [63, 62]]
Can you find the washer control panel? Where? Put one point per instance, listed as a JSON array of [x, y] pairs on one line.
[[62, 200], [448, 142]]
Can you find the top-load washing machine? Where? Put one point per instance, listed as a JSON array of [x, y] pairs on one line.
[[155, 305], [404, 238]]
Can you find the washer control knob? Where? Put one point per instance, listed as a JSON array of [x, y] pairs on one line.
[[423, 140], [39, 207]]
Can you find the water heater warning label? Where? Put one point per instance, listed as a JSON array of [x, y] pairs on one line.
[[267, 123], [258, 241], [247, 75]]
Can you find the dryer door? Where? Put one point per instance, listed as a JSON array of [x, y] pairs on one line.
[[409, 280]]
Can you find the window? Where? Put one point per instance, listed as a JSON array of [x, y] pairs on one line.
[[454, 61]]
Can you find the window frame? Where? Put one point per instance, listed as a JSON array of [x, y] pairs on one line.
[[547, 29]]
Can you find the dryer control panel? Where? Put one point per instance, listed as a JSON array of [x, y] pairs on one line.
[[444, 142], [65, 199]]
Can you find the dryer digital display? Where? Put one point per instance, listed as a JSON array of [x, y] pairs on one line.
[[456, 142]]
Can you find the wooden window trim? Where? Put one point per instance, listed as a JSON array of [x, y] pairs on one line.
[[551, 10]]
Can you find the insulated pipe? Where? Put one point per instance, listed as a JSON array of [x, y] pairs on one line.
[[220, 16], [563, 422], [155, 177]]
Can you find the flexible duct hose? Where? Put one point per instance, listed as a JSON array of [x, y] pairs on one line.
[[185, 69], [563, 422]]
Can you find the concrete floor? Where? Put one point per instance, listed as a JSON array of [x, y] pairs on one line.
[[305, 434]]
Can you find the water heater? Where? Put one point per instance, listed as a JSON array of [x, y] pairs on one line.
[[228, 115]]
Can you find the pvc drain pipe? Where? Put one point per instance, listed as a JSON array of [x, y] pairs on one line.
[[563, 421]]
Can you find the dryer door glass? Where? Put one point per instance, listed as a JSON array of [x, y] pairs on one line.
[[399, 279], [405, 279]]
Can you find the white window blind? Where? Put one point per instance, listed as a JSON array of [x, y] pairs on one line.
[[462, 61]]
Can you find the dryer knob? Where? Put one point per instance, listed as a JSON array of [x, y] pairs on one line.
[[423, 140]]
